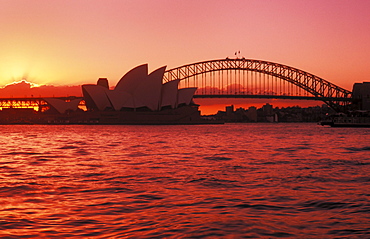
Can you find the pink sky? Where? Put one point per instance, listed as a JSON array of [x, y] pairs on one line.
[[72, 42]]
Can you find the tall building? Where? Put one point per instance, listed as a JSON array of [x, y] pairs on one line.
[[252, 114], [361, 95], [229, 110], [267, 109]]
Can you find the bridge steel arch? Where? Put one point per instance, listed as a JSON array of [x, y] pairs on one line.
[[318, 88]]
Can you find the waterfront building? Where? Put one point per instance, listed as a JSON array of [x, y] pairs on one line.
[[252, 114], [361, 95]]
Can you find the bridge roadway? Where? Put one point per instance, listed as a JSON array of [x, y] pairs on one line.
[[286, 97], [37, 102]]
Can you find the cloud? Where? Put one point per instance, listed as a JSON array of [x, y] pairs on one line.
[[27, 89]]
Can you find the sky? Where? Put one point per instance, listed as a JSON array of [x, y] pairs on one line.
[[74, 42]]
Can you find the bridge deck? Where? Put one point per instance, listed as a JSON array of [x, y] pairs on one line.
[[289, 97]]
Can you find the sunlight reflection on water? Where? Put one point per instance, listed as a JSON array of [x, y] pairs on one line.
[[233, 180]]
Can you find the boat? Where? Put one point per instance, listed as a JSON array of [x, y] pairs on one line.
[[359, 118]]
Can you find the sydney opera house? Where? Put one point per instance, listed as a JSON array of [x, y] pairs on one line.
[[138, 98], [137, 90]]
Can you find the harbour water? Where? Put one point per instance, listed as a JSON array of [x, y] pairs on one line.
[[199, 181]]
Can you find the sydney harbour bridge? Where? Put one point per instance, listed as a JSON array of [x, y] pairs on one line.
[[246, 78], [241, 78]]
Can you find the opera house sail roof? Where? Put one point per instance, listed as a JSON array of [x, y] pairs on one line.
[[137, 89]]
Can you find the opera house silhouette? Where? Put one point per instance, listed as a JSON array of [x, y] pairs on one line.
[[137, 98], [137, 90]]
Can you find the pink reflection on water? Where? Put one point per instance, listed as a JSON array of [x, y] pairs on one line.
[[233, 180]]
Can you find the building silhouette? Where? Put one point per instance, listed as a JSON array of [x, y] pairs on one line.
[[267, 113]]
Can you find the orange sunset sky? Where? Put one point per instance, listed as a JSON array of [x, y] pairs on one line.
[[72, 42]]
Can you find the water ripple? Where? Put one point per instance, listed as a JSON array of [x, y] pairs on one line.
[[209, 181]]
